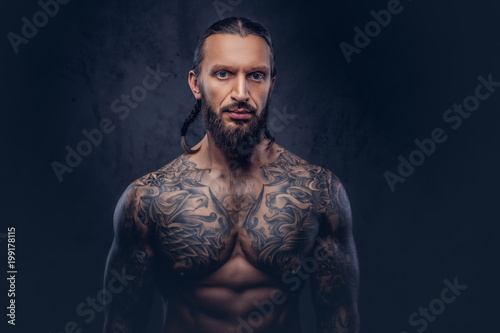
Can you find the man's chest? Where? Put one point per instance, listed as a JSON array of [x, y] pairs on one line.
[[197, 226], [199, 220]]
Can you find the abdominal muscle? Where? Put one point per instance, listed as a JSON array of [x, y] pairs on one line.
[[236, 298]]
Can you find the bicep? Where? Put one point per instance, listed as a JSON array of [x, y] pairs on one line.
[[335, 282], [129, 274]]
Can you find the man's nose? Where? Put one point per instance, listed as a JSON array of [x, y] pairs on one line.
[[240, 90]]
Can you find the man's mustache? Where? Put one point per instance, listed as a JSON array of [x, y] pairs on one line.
[[239, 105]]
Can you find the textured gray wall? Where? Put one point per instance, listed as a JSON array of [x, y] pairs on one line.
[[354, 118]]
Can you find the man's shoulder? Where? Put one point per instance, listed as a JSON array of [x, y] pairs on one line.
[[319, 181], [292, 163], [168, 173], [139, 194], [172, 171]]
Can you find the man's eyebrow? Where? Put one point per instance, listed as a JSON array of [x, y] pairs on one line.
[[264, 69], [218, 67]]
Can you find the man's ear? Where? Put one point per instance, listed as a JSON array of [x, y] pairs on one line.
[[272, 86], [194, 84]]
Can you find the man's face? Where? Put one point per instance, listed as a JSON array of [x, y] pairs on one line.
[[235, 88]]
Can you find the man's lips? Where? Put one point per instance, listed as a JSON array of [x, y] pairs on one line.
[[239, 113], [239, 110]]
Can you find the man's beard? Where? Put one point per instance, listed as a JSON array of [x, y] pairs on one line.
[[236, 142]]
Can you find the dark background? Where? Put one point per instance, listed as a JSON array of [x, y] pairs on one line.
[[354, 119]]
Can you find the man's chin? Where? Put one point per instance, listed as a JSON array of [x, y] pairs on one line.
[[237, 123], [240, 128], [236, 144], [236, 138]]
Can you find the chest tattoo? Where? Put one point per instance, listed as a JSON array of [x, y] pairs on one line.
[[196, 224]]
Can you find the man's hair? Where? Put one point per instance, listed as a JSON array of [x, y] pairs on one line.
[[236, 26]]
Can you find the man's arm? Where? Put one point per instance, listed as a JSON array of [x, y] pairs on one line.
[[335, 282], [129, 272]]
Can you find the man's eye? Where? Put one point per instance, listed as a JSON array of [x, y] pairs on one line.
[[222, 74], [257, 76]]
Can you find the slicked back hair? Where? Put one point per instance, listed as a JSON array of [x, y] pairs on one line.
[[236, 26]]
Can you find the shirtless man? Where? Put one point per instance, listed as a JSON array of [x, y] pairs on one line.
[[230, 231]]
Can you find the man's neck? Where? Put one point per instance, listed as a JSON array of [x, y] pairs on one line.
[[212, 157]]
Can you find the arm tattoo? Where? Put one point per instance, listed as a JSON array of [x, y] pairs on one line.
[[337, 279]]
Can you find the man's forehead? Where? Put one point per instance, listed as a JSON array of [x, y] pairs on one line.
[[234, 50]]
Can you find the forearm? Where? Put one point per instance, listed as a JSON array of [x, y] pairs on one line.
[[336, 296], [336, 285], [130, 280], [118, 324], [343, 318], [128, 309]]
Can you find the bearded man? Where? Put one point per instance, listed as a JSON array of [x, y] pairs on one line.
[[231, 231]]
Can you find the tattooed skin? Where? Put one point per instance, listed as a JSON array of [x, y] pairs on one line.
[[336, 281], [183, 223]]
